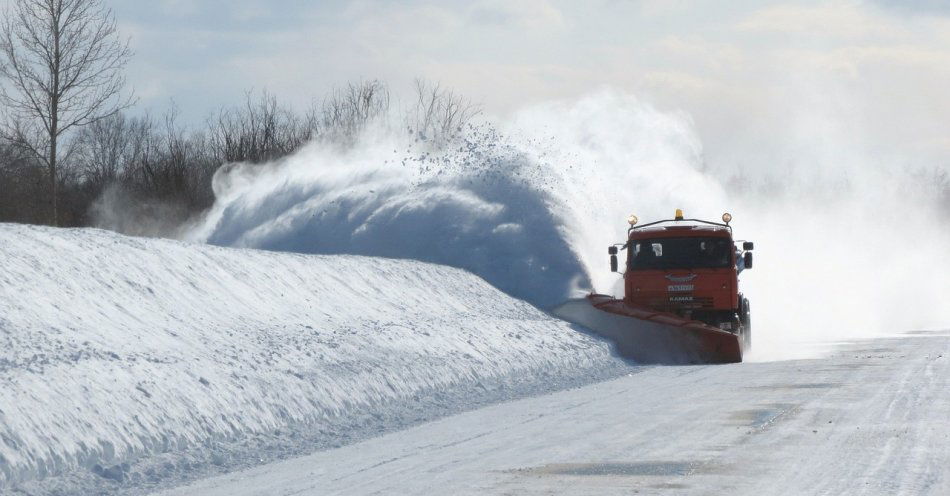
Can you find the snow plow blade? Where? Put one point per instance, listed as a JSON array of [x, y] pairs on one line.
[[647, 336]]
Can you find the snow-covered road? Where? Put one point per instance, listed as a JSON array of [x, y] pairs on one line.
[[869, 418]]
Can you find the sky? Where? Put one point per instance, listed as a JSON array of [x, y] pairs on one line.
[[758, 78]]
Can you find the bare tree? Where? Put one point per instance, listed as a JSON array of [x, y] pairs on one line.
[[259, 131], [21, 184], [347, 111], [62, 61], [439, 114]]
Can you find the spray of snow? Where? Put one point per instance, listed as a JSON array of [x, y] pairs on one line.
[[476, 208], [839, 260], [530, 205]]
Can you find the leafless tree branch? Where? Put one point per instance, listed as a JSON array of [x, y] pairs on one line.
[[63, 62], [439, 114]]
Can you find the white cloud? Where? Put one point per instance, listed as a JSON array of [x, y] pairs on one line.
[[837, 21], [539, 15]]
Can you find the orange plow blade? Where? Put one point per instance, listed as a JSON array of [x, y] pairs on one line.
[[647, 336]]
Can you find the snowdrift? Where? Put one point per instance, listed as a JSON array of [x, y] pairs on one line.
[[112, 348]]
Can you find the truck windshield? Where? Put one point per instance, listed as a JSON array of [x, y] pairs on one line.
[[680, 253]]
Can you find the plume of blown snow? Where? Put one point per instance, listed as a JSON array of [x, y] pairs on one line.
[[528, 206], [484, 206]]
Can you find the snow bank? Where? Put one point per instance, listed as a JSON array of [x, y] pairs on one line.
[[113, 347]]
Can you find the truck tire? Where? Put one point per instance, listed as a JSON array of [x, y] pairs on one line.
[[746, 318]]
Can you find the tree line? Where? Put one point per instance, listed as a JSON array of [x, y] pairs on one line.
[[69, 137]]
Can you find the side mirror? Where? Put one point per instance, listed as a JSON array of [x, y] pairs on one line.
[[612, 250], [613, 262], [747, 261], [747, 246]]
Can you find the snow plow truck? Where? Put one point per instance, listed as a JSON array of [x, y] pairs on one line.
[[682, 302]]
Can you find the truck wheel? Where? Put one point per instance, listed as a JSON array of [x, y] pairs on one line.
[[746, 316]]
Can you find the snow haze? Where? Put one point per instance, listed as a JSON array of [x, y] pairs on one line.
[[531, 204]]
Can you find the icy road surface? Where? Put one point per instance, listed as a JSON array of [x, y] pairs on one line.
[[870, 418]]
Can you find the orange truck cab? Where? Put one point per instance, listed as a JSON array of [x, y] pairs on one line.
[[687, 267]]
